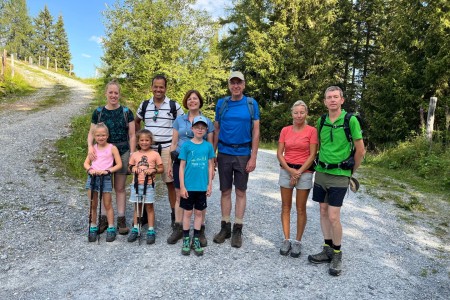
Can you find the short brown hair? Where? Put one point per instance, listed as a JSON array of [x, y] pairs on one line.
[[188, 94]]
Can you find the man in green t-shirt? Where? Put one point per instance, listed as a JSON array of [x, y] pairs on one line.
[[333, 174]]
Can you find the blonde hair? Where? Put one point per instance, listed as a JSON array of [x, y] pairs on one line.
[[112, 82], [101, 125], [299, 103]]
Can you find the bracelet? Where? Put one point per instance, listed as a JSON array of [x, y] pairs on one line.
[[88, 170]]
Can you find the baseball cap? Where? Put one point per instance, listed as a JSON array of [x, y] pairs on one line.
[[354, 184], [236, 74], [201, 119]]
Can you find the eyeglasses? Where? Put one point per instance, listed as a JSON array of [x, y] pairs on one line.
[[156, 115], [199, 128]]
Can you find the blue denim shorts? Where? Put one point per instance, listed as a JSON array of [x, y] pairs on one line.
[[149, 197], [107, 184]]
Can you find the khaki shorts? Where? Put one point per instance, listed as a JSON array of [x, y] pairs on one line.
[[330, 189], [165, 155], [304, 183]]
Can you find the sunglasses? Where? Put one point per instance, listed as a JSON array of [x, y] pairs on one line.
[[156, 115]]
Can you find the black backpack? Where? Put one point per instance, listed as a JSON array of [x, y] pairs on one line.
[[173, 108]]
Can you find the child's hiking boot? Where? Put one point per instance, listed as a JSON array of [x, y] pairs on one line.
[[296, 249], [236, 237], [198, 250], [186, 248], [151, 236], [132, 237], [177, 234], [93, 232], [122, 225], [110, 234], [336, 264], [202, 237], [225, 233], [103, 224], [285, 247], [322, 257]]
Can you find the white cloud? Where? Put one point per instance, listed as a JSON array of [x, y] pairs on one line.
[[214, 7], [96, 39], [86, 55]]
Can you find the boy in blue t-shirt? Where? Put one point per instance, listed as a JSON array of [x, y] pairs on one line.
[[196, 173]]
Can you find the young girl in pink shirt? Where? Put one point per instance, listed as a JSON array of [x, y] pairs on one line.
[[99, 170]]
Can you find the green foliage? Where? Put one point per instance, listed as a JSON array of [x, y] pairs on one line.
[[15, 27], [415, 156], [43, 37], [146, 38], [13, 86]]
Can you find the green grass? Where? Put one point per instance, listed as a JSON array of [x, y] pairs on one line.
[[12, 87]]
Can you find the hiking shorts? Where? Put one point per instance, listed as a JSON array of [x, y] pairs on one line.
[[195, 200], [232, 170], [149, 196], [176, 174], [125, 158], [303, 183], [107, 184], [330, 189], [165, 155]]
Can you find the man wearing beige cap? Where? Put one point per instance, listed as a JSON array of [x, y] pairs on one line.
[[236, 136]]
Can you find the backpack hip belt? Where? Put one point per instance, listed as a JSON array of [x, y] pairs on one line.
[[243, 145]]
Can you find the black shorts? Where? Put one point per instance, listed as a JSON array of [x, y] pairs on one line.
[[195, 200], [330, 189]]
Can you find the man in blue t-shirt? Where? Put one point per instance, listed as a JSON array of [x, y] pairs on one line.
[[236, 136]]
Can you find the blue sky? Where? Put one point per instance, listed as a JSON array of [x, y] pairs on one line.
[[83, 22]]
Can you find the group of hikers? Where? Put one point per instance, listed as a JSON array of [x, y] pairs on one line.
[[187, 148]]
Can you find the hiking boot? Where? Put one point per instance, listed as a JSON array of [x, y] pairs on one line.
[[122, 225], [285, 247], [132, 237], [198, 250], [151, 236], [103, 224], [202, 237], [296, 249], [92, 236], [177, 234], [110, 234], [225, 233], [186, 248], [322, 257], [336, 264], [236, 238]]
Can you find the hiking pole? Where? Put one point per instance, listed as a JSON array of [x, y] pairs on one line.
[[143, 201], [90, 203], [100, 194], [138, 197]]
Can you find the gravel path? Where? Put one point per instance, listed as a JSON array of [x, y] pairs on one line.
[[44, 253]]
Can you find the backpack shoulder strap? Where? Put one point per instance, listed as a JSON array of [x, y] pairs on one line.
[[348, 134], [251, 109], [99, 113], [144, 108], [125, 114], [173, 109], [322, 122], [224, 107]]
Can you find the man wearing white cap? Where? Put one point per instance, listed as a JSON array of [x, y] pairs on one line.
[[236, 136]]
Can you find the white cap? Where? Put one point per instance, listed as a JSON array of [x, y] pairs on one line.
[[236, 74]]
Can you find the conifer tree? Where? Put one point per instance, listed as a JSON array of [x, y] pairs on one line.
[[43, 42], [61, 45]]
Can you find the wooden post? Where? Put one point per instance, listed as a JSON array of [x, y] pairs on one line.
[[48, 61], [56, 65], [70, 69], [2, 63], [39, 64], [430, 119], [12, 65]]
